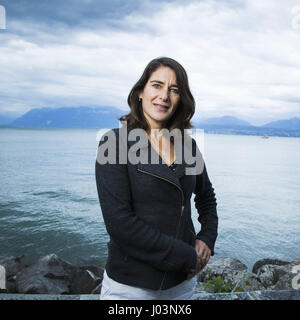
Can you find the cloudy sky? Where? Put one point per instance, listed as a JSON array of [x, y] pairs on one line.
[[242, 56]]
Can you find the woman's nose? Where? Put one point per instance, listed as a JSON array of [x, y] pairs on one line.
[[164, 95]]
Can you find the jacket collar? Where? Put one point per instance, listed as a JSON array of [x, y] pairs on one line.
[[159, 169]]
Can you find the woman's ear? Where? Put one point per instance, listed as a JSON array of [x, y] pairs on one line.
[[140, 95]]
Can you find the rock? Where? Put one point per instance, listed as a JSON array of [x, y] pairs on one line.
[[50, 275], [97, 271], [227, 268], [84, 282], [272, 274], [85, 279], [285, 275], [296, 261], [246, 281], [258, 264], [12, 266], [200, 288], [278, 276], [46, 276], [97, 290], [267, 275]]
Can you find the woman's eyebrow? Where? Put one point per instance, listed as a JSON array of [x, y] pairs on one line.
[[172, 85]]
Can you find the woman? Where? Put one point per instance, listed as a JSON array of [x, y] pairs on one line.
[[153, 252]]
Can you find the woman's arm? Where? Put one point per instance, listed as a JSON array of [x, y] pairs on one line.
[[206, 205], [132, 234]]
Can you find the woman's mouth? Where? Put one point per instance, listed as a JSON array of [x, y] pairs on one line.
[[161, 107]]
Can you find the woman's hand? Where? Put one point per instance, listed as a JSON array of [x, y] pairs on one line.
[[203, 251], [203, 256]]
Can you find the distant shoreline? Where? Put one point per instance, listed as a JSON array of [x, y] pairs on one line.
[[259, 132]]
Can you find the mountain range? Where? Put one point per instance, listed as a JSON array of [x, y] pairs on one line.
[[233, 125], [70, 117], [107, 117]]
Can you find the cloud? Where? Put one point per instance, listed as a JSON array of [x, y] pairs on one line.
[[242, 57]]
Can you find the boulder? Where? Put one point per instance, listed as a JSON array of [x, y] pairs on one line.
[[285, 276], [225, 267], [245, 281], [12, 266], [228, 268], [97, 271], [46, 276], [200, 288], [267, 275], [278, 276], [52, 275], [84, 281], [258, 264], [97, 290]]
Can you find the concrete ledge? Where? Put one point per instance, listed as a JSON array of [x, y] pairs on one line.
[[251, 295], [15, 296]]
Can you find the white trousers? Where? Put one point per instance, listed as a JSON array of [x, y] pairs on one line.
[[113, 290]]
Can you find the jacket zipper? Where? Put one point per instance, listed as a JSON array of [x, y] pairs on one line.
[[193, 232], [181, 213]]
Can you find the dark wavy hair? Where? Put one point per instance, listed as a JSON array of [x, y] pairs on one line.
[[185, 109]]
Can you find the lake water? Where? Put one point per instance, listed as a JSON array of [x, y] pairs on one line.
[[49, 202]]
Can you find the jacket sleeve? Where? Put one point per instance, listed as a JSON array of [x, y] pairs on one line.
[[134, 236], [206, 205]]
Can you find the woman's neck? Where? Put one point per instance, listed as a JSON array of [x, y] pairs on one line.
[[163, 146]]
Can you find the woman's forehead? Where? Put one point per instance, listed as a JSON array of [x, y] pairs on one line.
[[164, 74]]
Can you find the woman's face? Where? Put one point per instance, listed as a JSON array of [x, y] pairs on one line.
[[160, 97]]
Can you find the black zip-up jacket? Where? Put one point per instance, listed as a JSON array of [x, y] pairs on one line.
[[147, 212]]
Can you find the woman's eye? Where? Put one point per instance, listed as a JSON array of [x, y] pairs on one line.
[[175, 91], [156, 85]]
